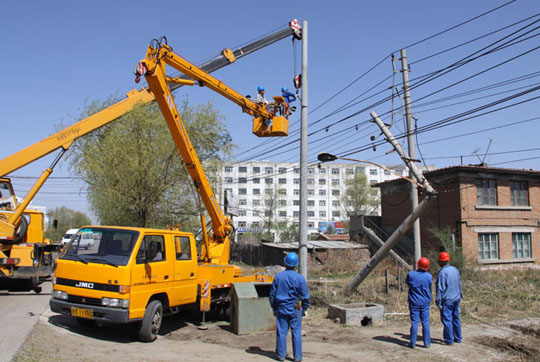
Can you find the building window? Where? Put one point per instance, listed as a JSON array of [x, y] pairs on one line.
[[267, 213], [296, 170], [335, 192], [268, 191], [296, 213], [359, 169], [296, 181], [322, 181], [322, 192], [335, 171], [310, 170], [256, 202], [256, 170], [349, 171], [228, 191], [283, 213], [322, 170], [282, 181], [311, 213], [242, 180], [282, 202], [336, 214], [322, 214], [322, 202], [242, 191], [373, 171], [242, 169], [521, 245], [282, 192], [335, 203], [488, 246], [310, 181], [310, 202], [242, 202], [310, 224], [282, 170], [310, 192], [242, 213], [228, 180], [296, 202], [486, 192], [269, 180], [256, 213], [256, 180], [268, 169], [228, 169], [386, 173], [519, 193], [335, 182], [242, 224], [256, 192], [296, 192], [255, 224]]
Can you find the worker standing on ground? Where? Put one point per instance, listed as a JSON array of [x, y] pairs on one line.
[[289, 299], [419, 282], [449, 294]]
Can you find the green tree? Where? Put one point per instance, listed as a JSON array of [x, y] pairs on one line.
[[289, 232], [358, 198], [133, 170], [67, 219]]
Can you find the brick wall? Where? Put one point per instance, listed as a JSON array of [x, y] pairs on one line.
[[456, 208]]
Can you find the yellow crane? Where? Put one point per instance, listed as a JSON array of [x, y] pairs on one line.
[[24, 253]]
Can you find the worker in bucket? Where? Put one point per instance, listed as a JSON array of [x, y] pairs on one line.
[[419, 282], [289, 299], [260, 95], [288, 97], [449, 294]]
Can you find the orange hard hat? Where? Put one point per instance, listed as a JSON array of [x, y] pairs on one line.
[[444, 256], [423, 263]]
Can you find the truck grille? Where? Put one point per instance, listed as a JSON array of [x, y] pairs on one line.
[[83, 300]]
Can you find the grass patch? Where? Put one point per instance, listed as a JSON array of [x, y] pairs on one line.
[[488, 296]]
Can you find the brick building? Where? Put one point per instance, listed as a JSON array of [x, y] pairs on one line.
[[493, 213]]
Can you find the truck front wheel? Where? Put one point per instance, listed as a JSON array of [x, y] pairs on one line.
[[151, 322]]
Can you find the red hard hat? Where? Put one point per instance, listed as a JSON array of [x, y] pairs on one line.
[[423, 263], [444, 256]]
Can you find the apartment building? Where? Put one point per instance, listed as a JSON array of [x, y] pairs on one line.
[[493, 213], [253, 183]]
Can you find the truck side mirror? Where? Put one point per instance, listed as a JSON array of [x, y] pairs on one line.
[[151, 251]]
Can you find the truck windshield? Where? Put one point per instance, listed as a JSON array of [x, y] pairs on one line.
[[101, 245], [6, 197]]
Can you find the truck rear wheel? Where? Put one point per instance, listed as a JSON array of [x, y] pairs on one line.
[[151, 322]]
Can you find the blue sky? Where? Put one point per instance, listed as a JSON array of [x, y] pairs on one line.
[[60, 54]]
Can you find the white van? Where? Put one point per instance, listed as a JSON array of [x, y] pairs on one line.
[[66, 238], [85, 240]]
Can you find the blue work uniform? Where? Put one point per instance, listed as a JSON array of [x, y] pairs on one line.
[[288, 96], [419, 282], [287, 290], [448, 296]]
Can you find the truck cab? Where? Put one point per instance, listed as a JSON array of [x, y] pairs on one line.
[[128, 275]]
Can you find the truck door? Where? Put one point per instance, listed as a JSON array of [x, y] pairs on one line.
[[151, 276], [185, 270]]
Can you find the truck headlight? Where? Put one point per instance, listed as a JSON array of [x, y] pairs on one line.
[[115, 302], [59, 294]]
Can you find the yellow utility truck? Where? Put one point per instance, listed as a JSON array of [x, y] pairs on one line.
[[25, 255], [138, 274]]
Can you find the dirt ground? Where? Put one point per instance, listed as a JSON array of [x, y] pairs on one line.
[[59, 338]]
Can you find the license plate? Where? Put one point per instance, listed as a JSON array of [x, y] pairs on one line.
[[83, 313]]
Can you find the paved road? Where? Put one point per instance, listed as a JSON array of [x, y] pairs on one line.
[[19, 312]]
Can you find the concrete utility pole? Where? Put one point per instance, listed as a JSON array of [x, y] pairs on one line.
[[408, 222], [304, 155], [410, 142]]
